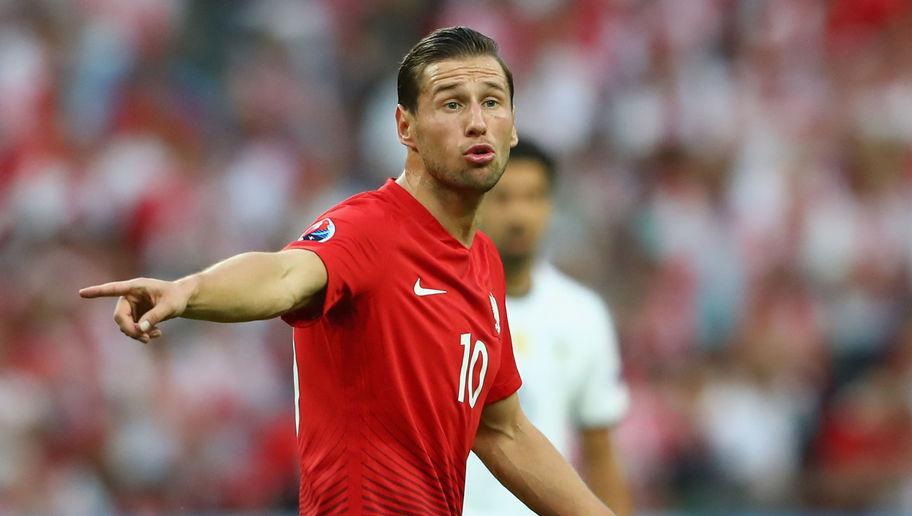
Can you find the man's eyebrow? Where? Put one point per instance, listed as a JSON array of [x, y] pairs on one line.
[[496, 85], [445, 87], [456, 85]]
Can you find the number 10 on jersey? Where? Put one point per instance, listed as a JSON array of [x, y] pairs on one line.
[[466, 382]]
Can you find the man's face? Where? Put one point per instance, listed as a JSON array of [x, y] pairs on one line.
[[515, 213], [463, 128]]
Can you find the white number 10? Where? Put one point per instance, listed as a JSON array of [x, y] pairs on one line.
[[468, 368]]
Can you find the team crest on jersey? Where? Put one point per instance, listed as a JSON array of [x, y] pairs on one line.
[[496, 312], [321, 231]]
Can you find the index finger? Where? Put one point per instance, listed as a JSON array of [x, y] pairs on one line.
[[112, 289]]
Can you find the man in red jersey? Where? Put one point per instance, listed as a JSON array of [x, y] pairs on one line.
[[403, 359]]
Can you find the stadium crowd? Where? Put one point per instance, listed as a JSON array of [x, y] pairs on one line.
[[737, 184]]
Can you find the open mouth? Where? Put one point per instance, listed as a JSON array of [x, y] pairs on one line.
[[480, 154]]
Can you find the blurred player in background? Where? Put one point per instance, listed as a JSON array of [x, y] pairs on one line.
[[403, 357], [563, 339]]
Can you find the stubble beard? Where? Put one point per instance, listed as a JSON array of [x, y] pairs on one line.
[[469, 179]]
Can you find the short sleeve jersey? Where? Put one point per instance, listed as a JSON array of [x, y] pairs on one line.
[[395, 364]]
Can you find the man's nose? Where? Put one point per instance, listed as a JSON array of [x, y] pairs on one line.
[[476, 124]]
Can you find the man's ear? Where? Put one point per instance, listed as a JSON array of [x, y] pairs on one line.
[[405, 124]]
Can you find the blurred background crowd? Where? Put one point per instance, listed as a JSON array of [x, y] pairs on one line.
[[736, 182]]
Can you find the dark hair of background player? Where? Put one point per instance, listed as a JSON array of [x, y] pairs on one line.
[[440, 45], [527, 150]]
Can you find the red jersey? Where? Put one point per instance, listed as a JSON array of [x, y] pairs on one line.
[[393, 369]]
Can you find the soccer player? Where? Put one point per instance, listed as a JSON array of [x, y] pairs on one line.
[[563, 338], [403, 358]]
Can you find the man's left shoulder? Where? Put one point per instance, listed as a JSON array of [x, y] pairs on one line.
[[484, 242], [484, 248]]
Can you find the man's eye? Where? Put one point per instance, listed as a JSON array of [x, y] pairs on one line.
[[452, 105], [490, 103]]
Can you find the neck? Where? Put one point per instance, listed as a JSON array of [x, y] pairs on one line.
[[518, 276], [455, 209]]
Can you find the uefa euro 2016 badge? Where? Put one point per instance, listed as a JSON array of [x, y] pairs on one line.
[[321, 231], [495, 311]]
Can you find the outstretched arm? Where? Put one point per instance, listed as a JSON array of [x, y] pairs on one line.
[[527, 464], [246, 287]]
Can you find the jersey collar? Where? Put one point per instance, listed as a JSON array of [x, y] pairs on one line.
[[421, 215]]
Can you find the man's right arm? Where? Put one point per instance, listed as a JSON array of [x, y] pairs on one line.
[[254, 286], [246, 287]]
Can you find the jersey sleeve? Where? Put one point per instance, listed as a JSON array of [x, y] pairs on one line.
[[602, 397], [507, 381], [353, 246]]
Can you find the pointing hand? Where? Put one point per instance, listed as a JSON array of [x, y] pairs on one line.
[[143, 303]]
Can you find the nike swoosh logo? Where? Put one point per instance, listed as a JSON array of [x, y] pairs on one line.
[[421, 291]]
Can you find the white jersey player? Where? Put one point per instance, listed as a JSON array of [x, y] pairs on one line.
[[564, 342]]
